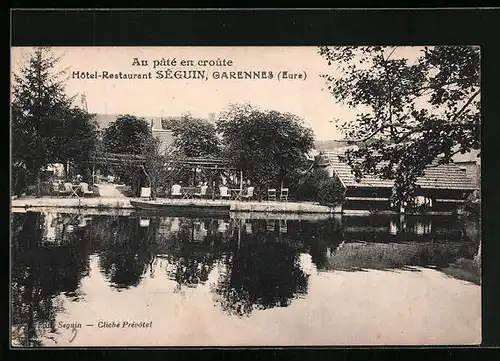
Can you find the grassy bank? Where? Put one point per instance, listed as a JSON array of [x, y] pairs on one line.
[[455, 260]]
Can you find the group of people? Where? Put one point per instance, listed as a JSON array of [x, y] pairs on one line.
[[199, 191], [66, 188]]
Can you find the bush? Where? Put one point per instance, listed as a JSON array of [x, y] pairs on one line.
[[330, 192], [471, 208], [322, 188]]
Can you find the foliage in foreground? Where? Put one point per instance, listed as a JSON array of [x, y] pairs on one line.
[[409, 112]]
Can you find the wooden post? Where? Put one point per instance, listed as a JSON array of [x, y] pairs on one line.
[[241, 180], [239, 233]]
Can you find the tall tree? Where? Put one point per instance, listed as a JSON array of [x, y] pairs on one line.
[[411, 112], [195, 137], [78, 138], [126, 136], [268, 146], [39, 102], [154, 162]]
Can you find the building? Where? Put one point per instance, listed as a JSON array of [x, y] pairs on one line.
[[470, 163], [442, 188], [159, 127], [165, 135]]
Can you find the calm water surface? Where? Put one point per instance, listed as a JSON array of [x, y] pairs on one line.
[[142, 280]]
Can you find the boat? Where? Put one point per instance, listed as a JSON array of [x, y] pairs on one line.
[[191, 207]]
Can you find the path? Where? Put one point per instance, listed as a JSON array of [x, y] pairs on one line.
[[109, 191]]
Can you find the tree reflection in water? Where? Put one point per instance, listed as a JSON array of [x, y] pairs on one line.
[[260, 272], [126, 249], [258, 264], [191, 249], [42, 268]]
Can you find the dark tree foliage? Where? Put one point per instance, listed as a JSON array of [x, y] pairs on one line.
[[39, 103], [78, 138], [268, 146], [322, 188], [153, 166], [45, 127], [411, 112], [194, 137], [126, 135]]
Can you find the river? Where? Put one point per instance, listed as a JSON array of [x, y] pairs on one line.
[[243, 280]]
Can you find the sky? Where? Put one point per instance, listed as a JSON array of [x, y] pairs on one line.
[[307, 98]]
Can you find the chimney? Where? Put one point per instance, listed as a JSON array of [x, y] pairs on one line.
[[156, 123], [211, 117]]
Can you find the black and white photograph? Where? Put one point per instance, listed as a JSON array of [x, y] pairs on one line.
[[245, 196]]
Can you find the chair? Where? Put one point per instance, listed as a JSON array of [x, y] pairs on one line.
[[271, 224], [55, 187], [249, 194], [203, 192], [176, 191], [224, 192], [248, 228], [222, 228], [85, 189], [145, 192], [283, 226], [66, 191], [175, 225], [271, 194], [144, 222], [284, 194]]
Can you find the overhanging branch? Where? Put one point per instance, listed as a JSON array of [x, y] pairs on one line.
[[466, 104]]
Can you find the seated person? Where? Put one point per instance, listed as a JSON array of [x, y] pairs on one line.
[[224, 192], [176, 190], [77, 179], [203, 190]]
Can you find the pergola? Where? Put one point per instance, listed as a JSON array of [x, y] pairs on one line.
[[137, 159], [208, 163]]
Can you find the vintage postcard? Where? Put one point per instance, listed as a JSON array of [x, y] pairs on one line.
[[245, 196]]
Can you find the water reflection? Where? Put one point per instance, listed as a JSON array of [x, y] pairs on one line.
[[126, 249], [49, 257], [190, 248], [247, 263], [261, 271]]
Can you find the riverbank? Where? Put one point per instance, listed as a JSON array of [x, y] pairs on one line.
[[124, 203]]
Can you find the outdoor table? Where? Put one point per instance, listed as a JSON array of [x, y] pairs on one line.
[[74, 189], [236, 193], [187, 192]]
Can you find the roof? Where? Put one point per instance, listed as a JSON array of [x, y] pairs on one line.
[[448, 176], [165, 136], [104, 120]]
